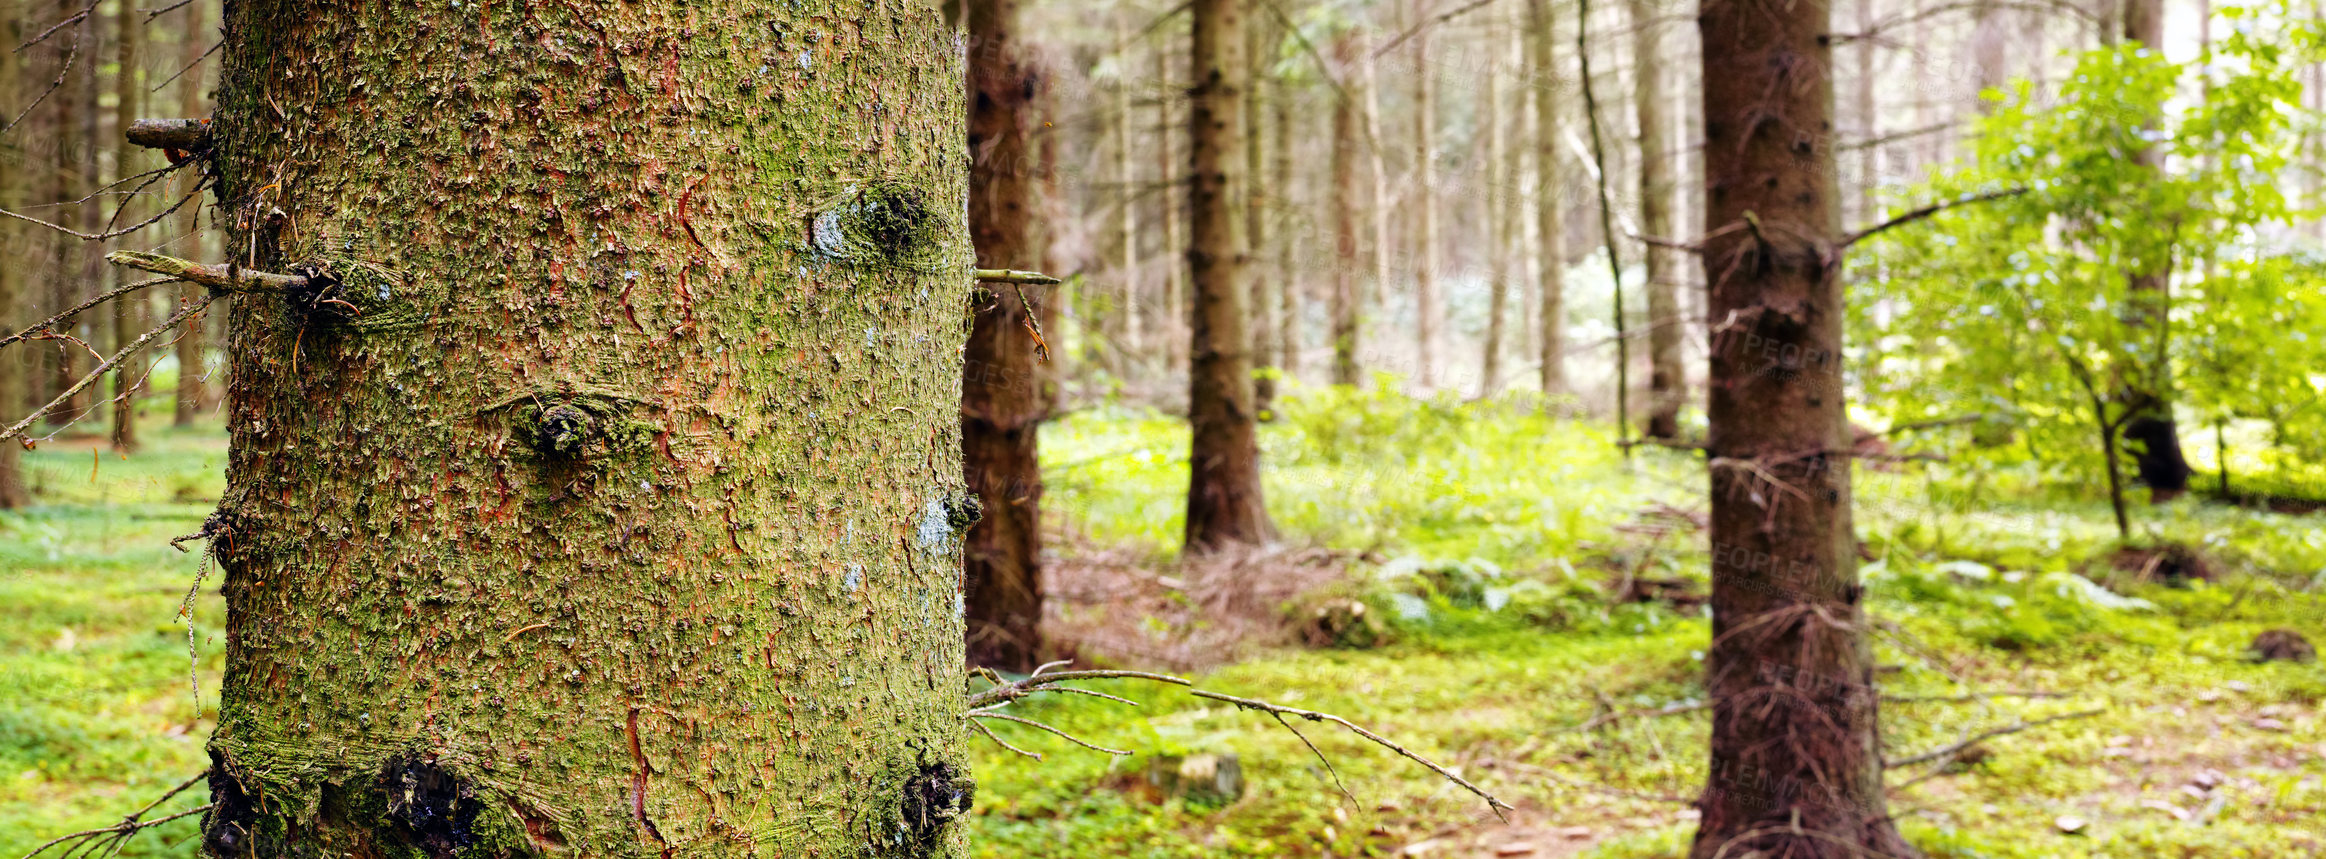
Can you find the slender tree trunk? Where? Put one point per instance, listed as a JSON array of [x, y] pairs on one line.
[[16, 367], [192, 42], [74, 100], [620, 514], [1002, 396], [1667, 382], [1425, 204], [1377, 191], [1869, 121], [1348, 125], [1132, 344], [1796, 764], [1256, 196], [1173, 330], [1293, 287], [2156, 450], [128, 314], [1224, 505], [1500, 182], [1550, 189]]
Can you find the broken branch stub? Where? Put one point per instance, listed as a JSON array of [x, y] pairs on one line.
[[190, 135]]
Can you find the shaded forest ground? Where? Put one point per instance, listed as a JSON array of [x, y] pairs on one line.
[[1446, 580]]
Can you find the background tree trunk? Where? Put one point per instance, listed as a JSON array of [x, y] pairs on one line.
[[1348, 127], [1131, 310], [1002, 391], [1550, 190], [1501, 185], [1170, 185], [1292, 287], [1667, 381], [16, 248], [129, 317], [1424, 203], [1223, 493], [2156, 437], [1795, 742], [193, 41], [621, 511], [1256, 210]]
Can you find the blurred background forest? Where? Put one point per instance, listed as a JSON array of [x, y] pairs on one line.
[[1489, 515]]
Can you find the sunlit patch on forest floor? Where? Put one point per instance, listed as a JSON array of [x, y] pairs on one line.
[[1483, 542]]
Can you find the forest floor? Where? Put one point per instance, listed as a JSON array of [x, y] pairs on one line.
[[1445, 580]]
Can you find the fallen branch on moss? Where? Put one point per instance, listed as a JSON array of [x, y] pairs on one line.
[[1983, 736], [983, 704]]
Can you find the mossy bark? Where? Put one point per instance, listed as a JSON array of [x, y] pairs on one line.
[[603, 496], [1003, 398], [1796, 756]]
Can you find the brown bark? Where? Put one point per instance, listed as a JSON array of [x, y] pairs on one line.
[[1796, 757], [1224, 505], [1550, 189], [128, 315], [1667, 381], [1292, 289], [2154, 435], [1002, 396], [1425, 203], [1348, 295], [74, 101]]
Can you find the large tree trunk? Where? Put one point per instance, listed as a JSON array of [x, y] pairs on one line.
[[1796, 763], [17, 367], [1223, 492], [1348, 127], [1667, 381], [1425, 204], [619, 509], [2155, 436], [192, 391], [1550, 186], [128, 314], [1002, 394]]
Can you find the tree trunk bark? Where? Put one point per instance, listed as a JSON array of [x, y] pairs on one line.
[[1425, 204], [1131, 344], [1002, 396], [1293, 289], [1223, 492], [19, 366], [1667, 382], [192, 391], [75, 97], [1500, 182], [1263, 322], [1550, 189], [602, 494], [1796, 763], [1348, 126], [129, 317], [2156, 437], [1173, 330]]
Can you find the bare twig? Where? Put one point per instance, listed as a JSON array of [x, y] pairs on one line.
[[1952, 748], [1254, 704], [106, 840], [184, 312], [1047, 727], [1925, 212], [1003, 275], [50, 323], [1620, 715]]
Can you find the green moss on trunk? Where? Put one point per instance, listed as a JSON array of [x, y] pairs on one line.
[[604, 502]]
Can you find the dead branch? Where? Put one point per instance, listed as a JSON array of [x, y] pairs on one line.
[[1925, 212], [1619, 715], [219, 278], [1952, 748], [107, 840], [191, 135], [184, 312], [1003, 275], [984, 703]]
